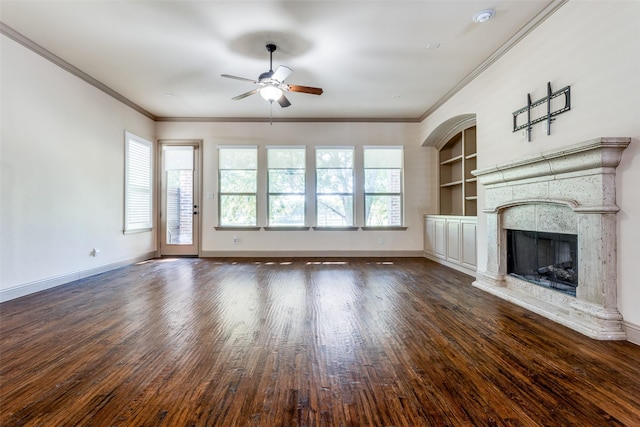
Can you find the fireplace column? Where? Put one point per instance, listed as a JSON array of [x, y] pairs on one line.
[[496, 251], [597, 247]]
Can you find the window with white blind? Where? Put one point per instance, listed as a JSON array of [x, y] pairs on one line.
[[286, 186], [138, 181], [383, 186], [334, 187], [237, 179]]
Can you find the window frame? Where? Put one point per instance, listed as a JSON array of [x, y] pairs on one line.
[[131, 140], [221, 194], [341, 194], [303, 193], [366, 194]]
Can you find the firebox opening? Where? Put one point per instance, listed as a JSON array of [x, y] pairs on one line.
[[546, 259]]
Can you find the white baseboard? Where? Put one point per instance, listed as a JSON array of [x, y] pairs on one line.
[[52, 282], [458, 267], [633, 332], [310, 254]]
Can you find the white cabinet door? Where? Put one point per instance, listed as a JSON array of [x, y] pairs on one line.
[[429, 235], [469, 244], [439, 245], [453, 241]]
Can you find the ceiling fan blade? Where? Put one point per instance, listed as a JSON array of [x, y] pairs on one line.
[[238, 78], [244, 95], [283, 101], [305, 89], [281, 73]]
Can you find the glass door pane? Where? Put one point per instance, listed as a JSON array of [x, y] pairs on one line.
[[179, 208]]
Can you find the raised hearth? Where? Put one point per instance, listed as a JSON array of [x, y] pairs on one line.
[[567, 191]]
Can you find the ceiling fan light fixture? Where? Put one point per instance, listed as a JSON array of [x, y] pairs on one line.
[[483, 16], [271, 93]]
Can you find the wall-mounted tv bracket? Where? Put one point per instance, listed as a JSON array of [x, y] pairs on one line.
[[549, 117]]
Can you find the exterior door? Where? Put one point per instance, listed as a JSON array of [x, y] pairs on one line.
[[180, 198]]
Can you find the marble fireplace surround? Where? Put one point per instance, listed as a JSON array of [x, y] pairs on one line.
[[571, 190]]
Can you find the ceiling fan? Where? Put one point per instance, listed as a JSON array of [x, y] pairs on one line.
[[272, 83]]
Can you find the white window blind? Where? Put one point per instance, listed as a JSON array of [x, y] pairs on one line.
[[138, 211]]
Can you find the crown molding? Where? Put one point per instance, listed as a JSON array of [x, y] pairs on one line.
[[495, 56], [30, 44], [524, 31], [287, 120]]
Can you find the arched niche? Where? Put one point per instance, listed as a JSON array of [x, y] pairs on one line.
[[447, 129]]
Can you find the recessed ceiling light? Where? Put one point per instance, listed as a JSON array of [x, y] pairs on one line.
[[483, 15]]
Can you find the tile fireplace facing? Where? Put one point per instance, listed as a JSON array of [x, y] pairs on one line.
[[567, 192]]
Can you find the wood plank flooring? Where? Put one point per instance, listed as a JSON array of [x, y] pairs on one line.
[[301, 342]]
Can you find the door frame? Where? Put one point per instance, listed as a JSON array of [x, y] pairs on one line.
[[197, 194]]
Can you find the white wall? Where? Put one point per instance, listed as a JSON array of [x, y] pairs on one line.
[[593, 47], [419, 198], [62, 163]]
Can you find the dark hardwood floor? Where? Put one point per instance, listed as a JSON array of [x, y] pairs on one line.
[[308, 342]]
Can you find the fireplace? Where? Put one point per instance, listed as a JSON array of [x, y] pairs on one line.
[[546, 259], [551, 235]]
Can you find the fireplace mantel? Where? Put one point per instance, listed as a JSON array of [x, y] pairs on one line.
[[565, 190]]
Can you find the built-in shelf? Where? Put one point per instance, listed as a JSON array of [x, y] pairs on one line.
[[452, 160], [457, 158]]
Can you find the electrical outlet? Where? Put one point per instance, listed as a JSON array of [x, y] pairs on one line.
[[235, 240]]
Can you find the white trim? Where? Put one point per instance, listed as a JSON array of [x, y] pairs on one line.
[[138, 230], [71, 69], [52, 282], [226, 146], [285, 147], [549, 10], [383, 147], [514, 40], [311, 254], [460, 268], [334, 147], [632, 331]]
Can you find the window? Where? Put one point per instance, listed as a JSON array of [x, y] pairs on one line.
[[383, 186], [334, 187], [238, 173], [286, 184], [138, 205]]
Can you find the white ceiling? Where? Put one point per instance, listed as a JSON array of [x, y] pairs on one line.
[[372, 58]]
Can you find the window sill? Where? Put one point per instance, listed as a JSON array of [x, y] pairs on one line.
[[239, 228], [286, 228], [382, 228], [136, 231], [336, 228]]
